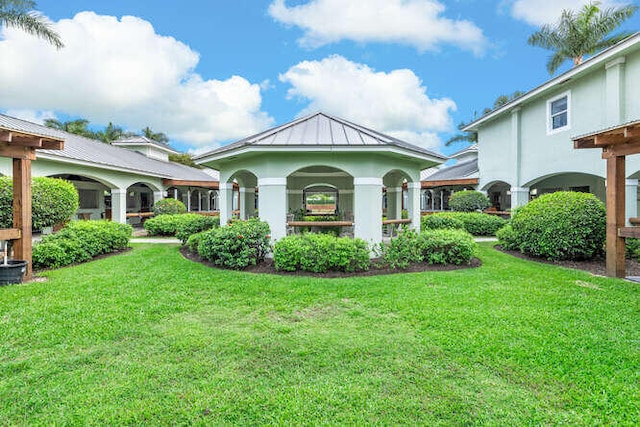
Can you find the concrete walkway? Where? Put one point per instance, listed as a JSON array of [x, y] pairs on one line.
[[155, 240]]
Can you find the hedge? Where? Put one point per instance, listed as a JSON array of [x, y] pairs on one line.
[[80, 241], [169, 207], [185, 224], [53, 201], [320, 253], [476, 223], [468, 201], [237, 245]]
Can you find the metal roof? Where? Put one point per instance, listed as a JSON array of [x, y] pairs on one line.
[[468, 169], [98, 154], [143, 140], [320, 130]]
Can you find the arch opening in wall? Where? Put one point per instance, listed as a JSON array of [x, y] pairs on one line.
[[94, 196]]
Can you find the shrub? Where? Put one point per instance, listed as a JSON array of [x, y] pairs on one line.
[[441, 220], [53, 201], [193, 223], [194, 240], [476, 223], [237, 245], [169, 207], [561, 226], [508, 238], [447, 247], [468, 201], [80, 241], [401, 251], [320, 253]]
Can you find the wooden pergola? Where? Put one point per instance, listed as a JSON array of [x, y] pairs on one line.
[[616, 143], [21, 148]]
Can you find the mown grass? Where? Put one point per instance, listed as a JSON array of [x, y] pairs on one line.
[[148, 337]]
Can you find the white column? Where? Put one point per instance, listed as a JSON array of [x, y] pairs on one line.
[[188, 200], [247, 202], [394, 202], [519, 196], [158, 195], [615, 91], [367, 216], [175, 193], [273, 205], [413, 207], [226, 202], [208, 204], [119, 205], [631, 200]]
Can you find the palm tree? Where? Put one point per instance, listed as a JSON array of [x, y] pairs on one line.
[[111, 133], [20, 14], [77, 127], [580, 33], [156, 136]]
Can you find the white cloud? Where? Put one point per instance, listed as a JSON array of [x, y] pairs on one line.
[[395, 103], [120, 70], [417, 23], [539, 12], [32, 116]]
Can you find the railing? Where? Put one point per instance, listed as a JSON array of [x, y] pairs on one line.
[[391, 226]]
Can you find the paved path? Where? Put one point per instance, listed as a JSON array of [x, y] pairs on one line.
[[154, 240]]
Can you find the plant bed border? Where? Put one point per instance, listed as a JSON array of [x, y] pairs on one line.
[[267, 267]]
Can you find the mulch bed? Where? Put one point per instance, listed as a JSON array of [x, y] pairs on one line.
[[267, 267], [595, 266]]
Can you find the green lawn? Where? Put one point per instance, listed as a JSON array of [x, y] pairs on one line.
[[148, 337]]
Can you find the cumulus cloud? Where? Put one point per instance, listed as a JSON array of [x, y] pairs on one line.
[[120, 70], [418, 23], [395, 103], [539, 12]]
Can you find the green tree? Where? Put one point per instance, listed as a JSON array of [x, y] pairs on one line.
[[156, 136], [183, 158], [77, 127], [111, 133], [582, 32], [20, 14]]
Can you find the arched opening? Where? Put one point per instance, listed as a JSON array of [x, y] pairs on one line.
[[320, 190], [94, 196], [140, 202], [499, 193], [570, 181], [239, 196]]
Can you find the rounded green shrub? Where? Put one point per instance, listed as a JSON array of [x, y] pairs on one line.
[[194, 223], [53, 201], [561, 226], [447, 246], [169, 207], [320, 253], [441, 220], [468, 201], [402, 251], [169, 224], [508, 238], [237, 245]]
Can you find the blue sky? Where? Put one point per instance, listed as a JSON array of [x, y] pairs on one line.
[[207, 72]]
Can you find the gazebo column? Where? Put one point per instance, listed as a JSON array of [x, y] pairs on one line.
[[273, 205], [22, 248], [631, 199], [158, 195], [367, 217], [226, 202], [247, 202], [119, 205], [189, 200], [413, 206], [394, 202], [208, 202], [519, 196]]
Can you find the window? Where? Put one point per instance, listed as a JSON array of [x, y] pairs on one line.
[[320, 201], [558, 113]]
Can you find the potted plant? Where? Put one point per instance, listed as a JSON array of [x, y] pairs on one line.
[[11, 270]]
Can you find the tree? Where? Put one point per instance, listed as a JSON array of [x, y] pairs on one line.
[[472, 137], [77, 127], [156, 136], [580, 33], [111, 133], [184, 159], [20, 14]]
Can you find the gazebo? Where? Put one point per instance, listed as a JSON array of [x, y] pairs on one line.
[[21, 146], [322, 159]]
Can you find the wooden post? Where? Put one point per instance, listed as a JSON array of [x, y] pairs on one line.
[[615, 216], [22, 248]]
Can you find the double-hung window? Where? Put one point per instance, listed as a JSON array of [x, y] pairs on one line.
[[558, 113]]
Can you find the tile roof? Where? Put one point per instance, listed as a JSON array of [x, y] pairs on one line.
[[101, 155]]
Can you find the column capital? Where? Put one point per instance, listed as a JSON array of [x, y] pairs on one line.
[[631, 182], [414, 185], [118, 191], [618, 61], [225, 186], [519, 189], [394, 189], [272, 182]]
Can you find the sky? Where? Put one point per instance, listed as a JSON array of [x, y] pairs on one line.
[[210, 72]]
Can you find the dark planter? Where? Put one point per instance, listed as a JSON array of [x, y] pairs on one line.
[[12, 271]]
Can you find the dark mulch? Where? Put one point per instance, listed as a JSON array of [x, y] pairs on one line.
[[267, 267], [595, 266]]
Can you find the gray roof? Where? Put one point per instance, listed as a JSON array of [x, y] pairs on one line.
[[468, 169], [320, 130], [143, 140], [80, 149]]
